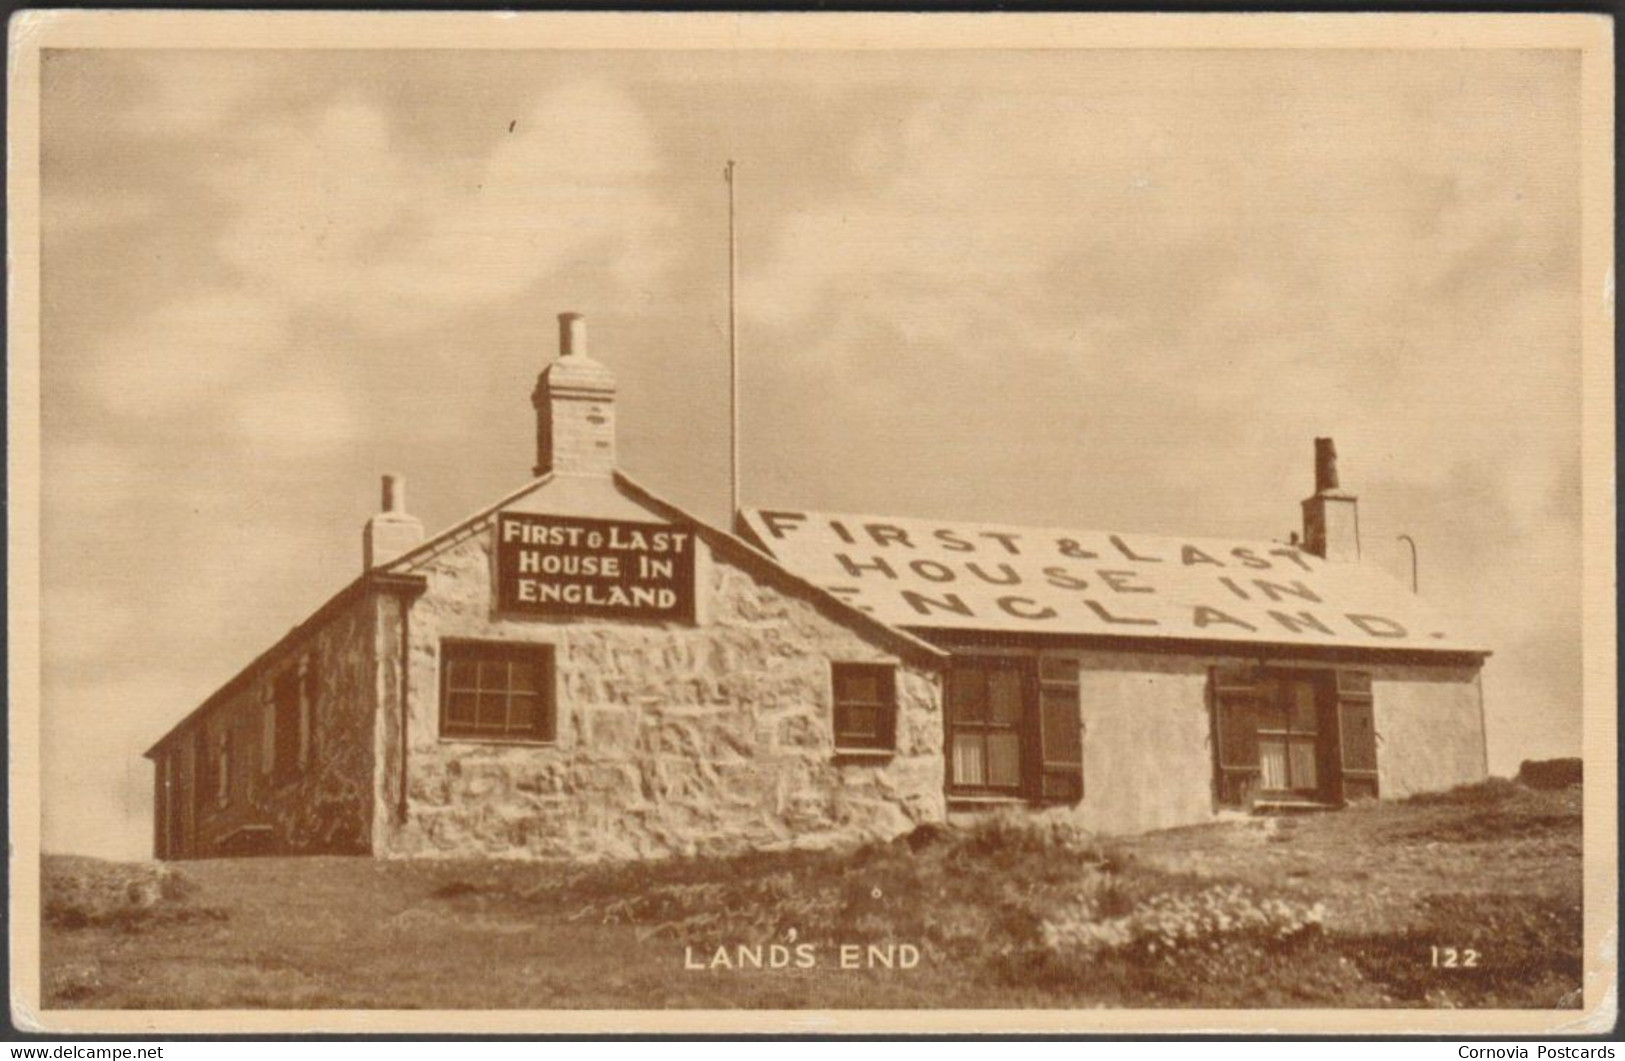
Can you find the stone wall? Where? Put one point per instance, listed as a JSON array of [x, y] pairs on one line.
[[326, 805], [671, 739]]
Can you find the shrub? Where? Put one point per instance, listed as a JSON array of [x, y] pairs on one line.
[[1172, 921], [1489, 791]]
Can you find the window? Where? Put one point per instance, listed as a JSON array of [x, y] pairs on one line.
[[174, 810], [169, 811], [197, 774], [307, 711], [222, 769], [267, 730], [1289, 736], [865, 706], [494, 691], [1292, 734], [1015, 728], [985, 721], [285, 749]]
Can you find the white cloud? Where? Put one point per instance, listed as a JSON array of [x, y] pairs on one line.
[[84, 625], [181, 356], [197, 91], [340, 216], [83, 477], [106, 811], [65, 210], [1276, 280], [300, 418]]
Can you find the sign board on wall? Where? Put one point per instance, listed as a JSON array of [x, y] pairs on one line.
[[566, 566], [930, 574]]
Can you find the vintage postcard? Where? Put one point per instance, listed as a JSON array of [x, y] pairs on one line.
[[975, 523]]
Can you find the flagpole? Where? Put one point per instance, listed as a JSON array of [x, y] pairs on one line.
[[733, 350]]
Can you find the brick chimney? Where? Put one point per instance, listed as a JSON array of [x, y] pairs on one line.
[[575, 408], [1331, 518], [392, 532]]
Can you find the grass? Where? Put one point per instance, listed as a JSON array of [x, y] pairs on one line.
[[1325, 910]]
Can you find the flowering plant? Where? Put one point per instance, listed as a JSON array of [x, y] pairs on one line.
[[1169, 921]]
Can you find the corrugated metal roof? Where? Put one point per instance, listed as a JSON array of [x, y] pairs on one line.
[[939, 575]]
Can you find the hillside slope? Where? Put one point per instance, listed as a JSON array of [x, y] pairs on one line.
[[1367, 907]]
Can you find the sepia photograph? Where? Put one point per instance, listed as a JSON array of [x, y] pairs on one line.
[[694, 522]]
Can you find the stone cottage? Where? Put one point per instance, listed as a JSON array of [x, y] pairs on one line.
[[583, 670]]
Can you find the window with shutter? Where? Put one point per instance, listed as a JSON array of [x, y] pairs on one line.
[[1234, 696], [987, 727], [1357, 735], [1060, 723], [1285, 733], [1014, 728]]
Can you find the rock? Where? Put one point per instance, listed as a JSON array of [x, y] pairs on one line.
[[928, 835], [1550, 773]]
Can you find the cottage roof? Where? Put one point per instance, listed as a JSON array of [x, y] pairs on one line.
[[941, 576]]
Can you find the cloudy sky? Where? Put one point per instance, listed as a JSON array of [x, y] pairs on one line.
[[1104, 289]]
